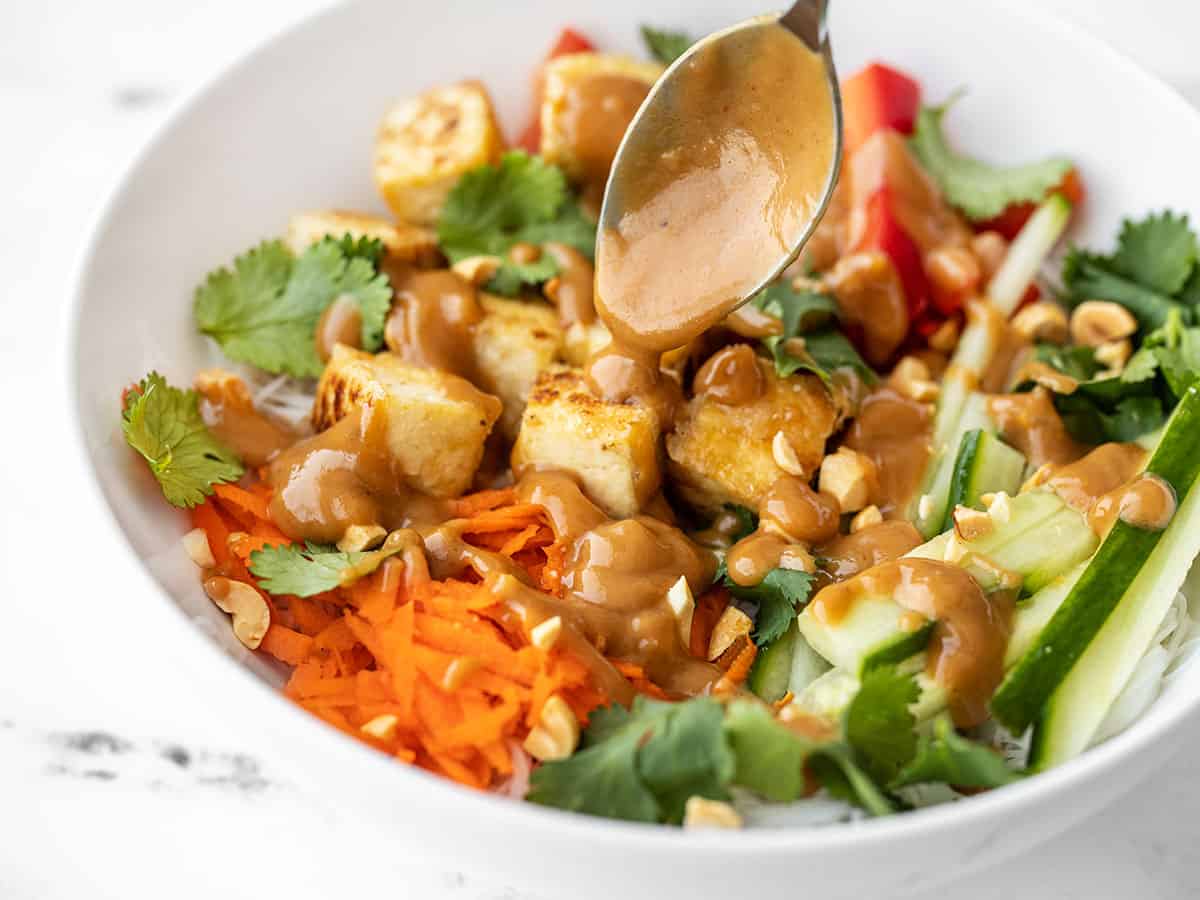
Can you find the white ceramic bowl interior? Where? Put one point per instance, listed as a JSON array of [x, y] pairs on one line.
[[291, 128]]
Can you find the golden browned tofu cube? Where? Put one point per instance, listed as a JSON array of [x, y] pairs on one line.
[[581, 342], [611, 448], [588, 100], [437, 423], [514, 342], [726, 454], [404, 243], [426, 143]]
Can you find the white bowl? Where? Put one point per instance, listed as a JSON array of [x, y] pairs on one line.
[[291, 127]]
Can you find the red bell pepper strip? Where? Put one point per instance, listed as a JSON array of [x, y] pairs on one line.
[[884, 233], [568, 41], [875, 98]]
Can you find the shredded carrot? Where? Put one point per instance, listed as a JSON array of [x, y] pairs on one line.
[[709, 609], [286, 645], [473, 504], [739, 670], [243, 505]]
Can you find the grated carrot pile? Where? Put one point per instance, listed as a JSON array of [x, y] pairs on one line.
[[424, 670]]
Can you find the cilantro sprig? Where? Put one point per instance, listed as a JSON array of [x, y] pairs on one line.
[[776, 599], [980, 190], [264, 311], [811, 315], [522, 199], [665, 46], [308, 569], [643, 763], [164, 425], [1153, 271]]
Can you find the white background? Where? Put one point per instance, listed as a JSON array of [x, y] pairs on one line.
[[116, 779]]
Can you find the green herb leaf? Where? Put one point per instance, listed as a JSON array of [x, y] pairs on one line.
[[1158, 252], [810, 314], [665, 46], [1088, 276], [945, 757], [362, 247], [878, 723], [523, 199], [825, 353], [301, 571], [777, 597], [980, 190], [835, 767], [265, 311], [1079, 361], [641, 764], [799, 311], [164, 425], [770, 757]]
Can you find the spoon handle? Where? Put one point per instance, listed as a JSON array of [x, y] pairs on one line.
[[806, 20]]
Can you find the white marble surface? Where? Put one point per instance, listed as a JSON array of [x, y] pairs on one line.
[[118, 780]]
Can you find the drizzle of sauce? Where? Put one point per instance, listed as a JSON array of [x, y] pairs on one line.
[[573, 285], [794, 509], [229, 413], [750, 322], [1147, 502], [966, 650], [616, 578], [341, 323], [848, 554], [722, 179], [1031, 424], [894, 431], [870, 297], [1010, 348], [731, 376], [1082, 483], [432, 317], [752, 558], [346, 475], [621, 373]]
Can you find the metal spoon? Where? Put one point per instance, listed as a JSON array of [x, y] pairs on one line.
[[806, 20]]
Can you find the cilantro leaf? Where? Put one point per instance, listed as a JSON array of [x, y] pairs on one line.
[[770, 757], [164, 425], [315, 568], [878, 724], [1158, 252], [837, 770], [665, 46], [980, 190], [687, 757], [511, 276], [265, 311], [946, 757], [362, 247], [1089, 276], [811, 314], [641, 764], [522, 199], [777, 598], [1078, 361]]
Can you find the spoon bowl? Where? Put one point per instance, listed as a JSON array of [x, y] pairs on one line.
[[657, 137]]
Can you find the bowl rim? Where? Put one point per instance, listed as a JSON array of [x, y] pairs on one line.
[[330, 743]]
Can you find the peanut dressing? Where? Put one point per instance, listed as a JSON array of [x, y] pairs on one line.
[[341, 323], [1031, 424], [596, 113], [432, 317], [848, 554], [230, 414], [731, 376], [615, 581], [1108, 484], [721, 180], [894, 432], [966, 650]]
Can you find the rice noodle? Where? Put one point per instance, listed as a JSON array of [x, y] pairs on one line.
[[517, 784], [282, 397], [811, 812]]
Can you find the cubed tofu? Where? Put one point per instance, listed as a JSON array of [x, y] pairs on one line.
[[611, 448], [426, 143], [581, 342], [437, 423], [404, 243], [723, 454], [585, 153], [514, 342]]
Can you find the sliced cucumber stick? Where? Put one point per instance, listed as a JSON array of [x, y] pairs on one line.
[[1127, 571], [984, 464]]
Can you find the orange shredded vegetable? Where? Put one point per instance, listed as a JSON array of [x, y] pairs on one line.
[[432, 672]]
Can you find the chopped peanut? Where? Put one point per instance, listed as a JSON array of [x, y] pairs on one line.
[[1042, 321], [1113, 355], [700, 812], [251, 615], [195, 542], [545, 634], [732, 625], [866, 518], [557, 733], [990, 248], [972, 524], [785, 455], [1097, 322], [846, 475], [362, 537], [680, 599], [381, 727], [478, 270], [945, 339]]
